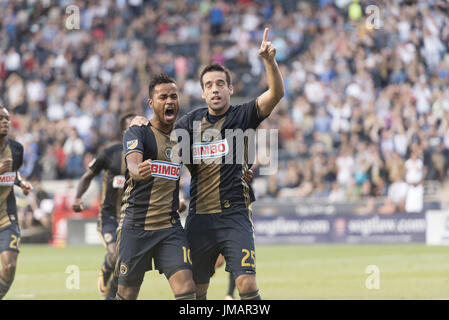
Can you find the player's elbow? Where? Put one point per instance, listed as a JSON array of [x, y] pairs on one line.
[[279, 96], [280, 91], [276, 95]]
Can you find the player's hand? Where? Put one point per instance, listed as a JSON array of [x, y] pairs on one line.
[[144, 169], [5, 165], [267, 51], [220, 261], [26, 187], [78, 205], [249, 174], [139, 121], [182, 206]]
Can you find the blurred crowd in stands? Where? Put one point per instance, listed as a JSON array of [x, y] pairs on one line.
[[366, 107]]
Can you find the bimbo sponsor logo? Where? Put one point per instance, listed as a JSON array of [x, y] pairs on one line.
[[208, 150], [118, 182], [7, 179], [233, 146], [166, 170]]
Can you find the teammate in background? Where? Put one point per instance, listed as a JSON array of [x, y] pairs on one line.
[[11, 159], [110, 160], [219, 219], [150, 227]]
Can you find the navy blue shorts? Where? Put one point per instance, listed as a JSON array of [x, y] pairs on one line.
[[10, 238], [228, 233], [137, 249], [107, 228]]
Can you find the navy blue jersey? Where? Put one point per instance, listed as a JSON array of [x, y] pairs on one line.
[[110, 160], [8, 208], [151, 204], [219, 156]]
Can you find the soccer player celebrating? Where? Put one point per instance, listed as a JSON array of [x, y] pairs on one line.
[[219, 219], [11, 159], [111, 160], [150, 228]]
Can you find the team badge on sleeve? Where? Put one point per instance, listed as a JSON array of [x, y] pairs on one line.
[[132, 144]]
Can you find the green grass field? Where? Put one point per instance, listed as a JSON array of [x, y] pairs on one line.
[[289, 272]]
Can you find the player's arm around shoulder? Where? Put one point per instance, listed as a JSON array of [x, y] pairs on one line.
[[270, 98]]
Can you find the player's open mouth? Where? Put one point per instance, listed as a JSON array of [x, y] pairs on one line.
[[169, 112], [216, 98]]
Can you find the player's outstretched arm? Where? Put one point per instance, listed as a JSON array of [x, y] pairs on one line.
[[82, 187], [138, 169], [270, 98]]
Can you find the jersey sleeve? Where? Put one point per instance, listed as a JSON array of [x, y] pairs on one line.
[[183, 123], [133, 140], [249, 115], [17, 161], [99, 163], [19, 157]]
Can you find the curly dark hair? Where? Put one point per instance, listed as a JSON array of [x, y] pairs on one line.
[[160, 78]]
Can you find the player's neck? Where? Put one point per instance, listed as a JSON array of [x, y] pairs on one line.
[[166, 128], [219, 112], [2, 142]]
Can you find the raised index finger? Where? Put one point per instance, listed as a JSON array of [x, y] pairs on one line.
[[265, 35]]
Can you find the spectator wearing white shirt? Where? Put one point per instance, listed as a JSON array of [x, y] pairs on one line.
[[396, 198], [345, 166], [414, 176]]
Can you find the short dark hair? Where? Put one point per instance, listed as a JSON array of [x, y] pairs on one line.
[[160, 78], [123, 118], [215, 67]]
